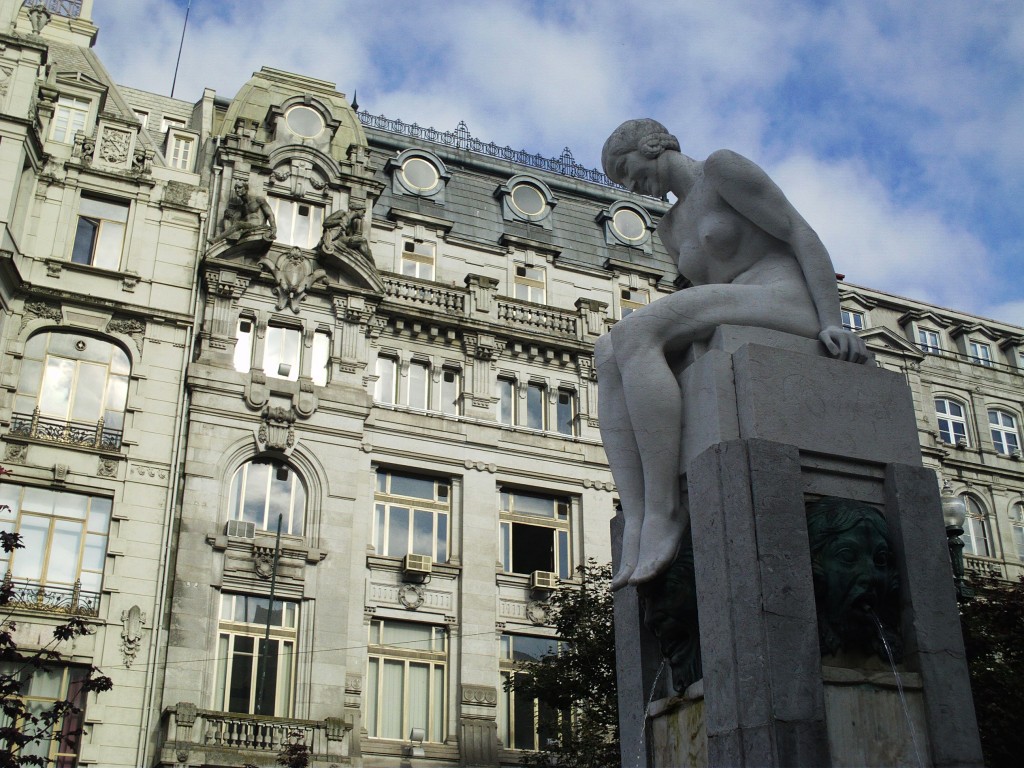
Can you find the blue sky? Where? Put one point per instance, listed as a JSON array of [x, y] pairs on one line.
[[895, 127]]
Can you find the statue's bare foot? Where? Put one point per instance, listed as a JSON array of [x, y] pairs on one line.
[[658, 545], [630, 553]]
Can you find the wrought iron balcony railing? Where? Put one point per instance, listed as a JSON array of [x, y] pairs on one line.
[[51, 598], [70, 8], [68, 432]]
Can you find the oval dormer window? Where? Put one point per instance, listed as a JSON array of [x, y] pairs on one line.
[[629, 225], [304, 121], [419, 174], [528, 200]]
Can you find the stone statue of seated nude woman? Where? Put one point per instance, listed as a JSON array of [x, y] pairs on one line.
[[752, 260]]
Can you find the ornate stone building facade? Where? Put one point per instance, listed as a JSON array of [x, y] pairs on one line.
[[302, 411]]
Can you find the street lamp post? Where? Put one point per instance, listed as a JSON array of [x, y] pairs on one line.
[[954, 513]]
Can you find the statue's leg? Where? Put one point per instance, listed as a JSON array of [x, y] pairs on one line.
[[623, 456], [644, 347]]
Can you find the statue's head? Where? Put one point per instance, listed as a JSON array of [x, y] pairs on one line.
[[241, 187], [855, 576], [639, 140]]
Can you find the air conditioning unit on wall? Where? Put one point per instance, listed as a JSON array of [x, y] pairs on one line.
[[417, 565], [241, 529], [544, 580]]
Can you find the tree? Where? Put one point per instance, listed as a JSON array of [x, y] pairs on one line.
[[26, 727], [578, 681], [993, 627]]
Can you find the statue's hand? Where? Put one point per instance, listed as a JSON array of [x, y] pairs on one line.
[[844, 345]]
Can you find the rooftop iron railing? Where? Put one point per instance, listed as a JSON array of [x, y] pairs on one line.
[[460, 138]]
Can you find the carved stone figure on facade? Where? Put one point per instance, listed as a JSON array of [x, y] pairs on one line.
[[131, 633], [856, 583], [293, 275], [246, 214], [751, 259], [343, 233]]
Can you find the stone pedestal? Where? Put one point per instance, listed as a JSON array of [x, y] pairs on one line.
[[769, 423]]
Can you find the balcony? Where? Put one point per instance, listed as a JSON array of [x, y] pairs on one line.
[[215, 739], [49, 598], [85, 435]]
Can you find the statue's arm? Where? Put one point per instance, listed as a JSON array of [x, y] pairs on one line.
[[268, 212], [748, 189]]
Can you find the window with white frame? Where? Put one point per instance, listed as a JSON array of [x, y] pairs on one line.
[[411, 515], [451, 391], [282, 351], [1005, 436], [321, 358], [506, 400], [99, 234], [68, 118], [977, 538], [536, 405], [565, 412], [243, 345], [142, 117], [852, 320], [534, 533], [265, 489], [406, 680], [631, 300], [952, 421], [180, 149], [385, 388], [64, 537], [529, 283], [243, 650], [928, 341], [523, 721], [170, 123], [39, 690], [298, 223], [1017, 525], [417, 393], [980, 352], [418, 259], [72, 389]]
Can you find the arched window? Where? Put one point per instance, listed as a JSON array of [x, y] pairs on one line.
[[952, 421], [977, 538], [72, 389], [265, 488], [1017, 522], [1004, 431]]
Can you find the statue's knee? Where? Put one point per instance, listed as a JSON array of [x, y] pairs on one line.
[[603, 351]]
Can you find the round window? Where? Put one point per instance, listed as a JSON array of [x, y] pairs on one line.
[[528, 200], [419, 174], [304, 121], [629, 225]]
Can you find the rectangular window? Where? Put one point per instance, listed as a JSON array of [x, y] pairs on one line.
[[507, 401], [40, 689], [406, 681], [928, 341], [566, 412], [385, 388], [321, 358], [630, 301], [981, 353], [142, 117], [169, 123], [418, 259], [534, 533], [536, 410], [179, 150], [852, 321], [418, 395], [243, 345], [281, 353], [524, 722], [99, 236], [65, 546], [68, 118], [243, 651], [529, 284], [298, 223], [411, 515], [451, 391]]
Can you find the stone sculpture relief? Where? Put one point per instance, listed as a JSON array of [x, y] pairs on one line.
[[343, 234], [246, 214], [751, 260], [131, 633], [293, 275], [855, 578]]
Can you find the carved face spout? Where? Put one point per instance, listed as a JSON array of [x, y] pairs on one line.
[[857, 580]]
